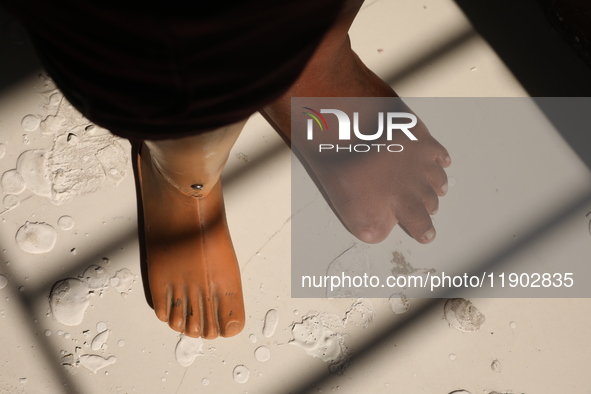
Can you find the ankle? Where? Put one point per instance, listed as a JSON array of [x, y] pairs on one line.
[[197, 189]]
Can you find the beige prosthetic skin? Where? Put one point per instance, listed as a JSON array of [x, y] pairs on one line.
[[373, 194], [193, 273]]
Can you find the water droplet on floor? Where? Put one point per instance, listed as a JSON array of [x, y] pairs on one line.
[[36, 238], [270, 323], [399, 303], [33, 165], [12, 182], [47, 333], [2, 150], [65, 222], [60, 332], [122, 281], [253, 338], [452, 356], [451, 181], [99, 340], [317, 337], [11, 201], [95, 277], [55, 98], [95, 362], [462, 315], [187, 349], [30, 123], [262, 353], [121, 343], [241, 374], [513, 325], [101, 326], [52, 125], [360, 313], [496, 366], [23, 380], [113, 159], [3, 281], [205, 381], [68, 300]]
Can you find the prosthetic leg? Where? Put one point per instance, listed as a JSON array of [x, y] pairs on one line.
[[193, 273]]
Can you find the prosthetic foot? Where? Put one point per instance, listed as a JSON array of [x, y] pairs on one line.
[[193, 272]]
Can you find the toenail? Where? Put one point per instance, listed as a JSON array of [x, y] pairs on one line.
[[233, 328], [447, 160], [162, 316], [444, 188], [429, 235], [197, 186]]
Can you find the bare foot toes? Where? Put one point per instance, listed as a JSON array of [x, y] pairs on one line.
[[373, 191]]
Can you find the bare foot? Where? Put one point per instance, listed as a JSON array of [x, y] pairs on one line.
[[193, 273], [370, 193]]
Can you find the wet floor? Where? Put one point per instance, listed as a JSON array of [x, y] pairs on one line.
[[74, 317]]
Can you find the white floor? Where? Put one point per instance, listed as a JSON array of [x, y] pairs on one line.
[[540, 345]]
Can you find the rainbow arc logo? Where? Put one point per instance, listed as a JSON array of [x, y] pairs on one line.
[[317, 117]]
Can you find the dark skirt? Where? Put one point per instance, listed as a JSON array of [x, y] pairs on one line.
[[169, 70]]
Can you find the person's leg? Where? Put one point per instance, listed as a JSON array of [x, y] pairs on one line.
[[193, 273], [373, 195]]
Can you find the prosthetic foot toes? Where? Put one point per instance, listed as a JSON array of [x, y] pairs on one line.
[[193, 272]]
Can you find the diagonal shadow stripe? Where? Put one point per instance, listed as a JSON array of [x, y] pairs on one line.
[[452, 44], [520, 34], [547, 82], [119, 240], [26, 303], [375, 344]]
